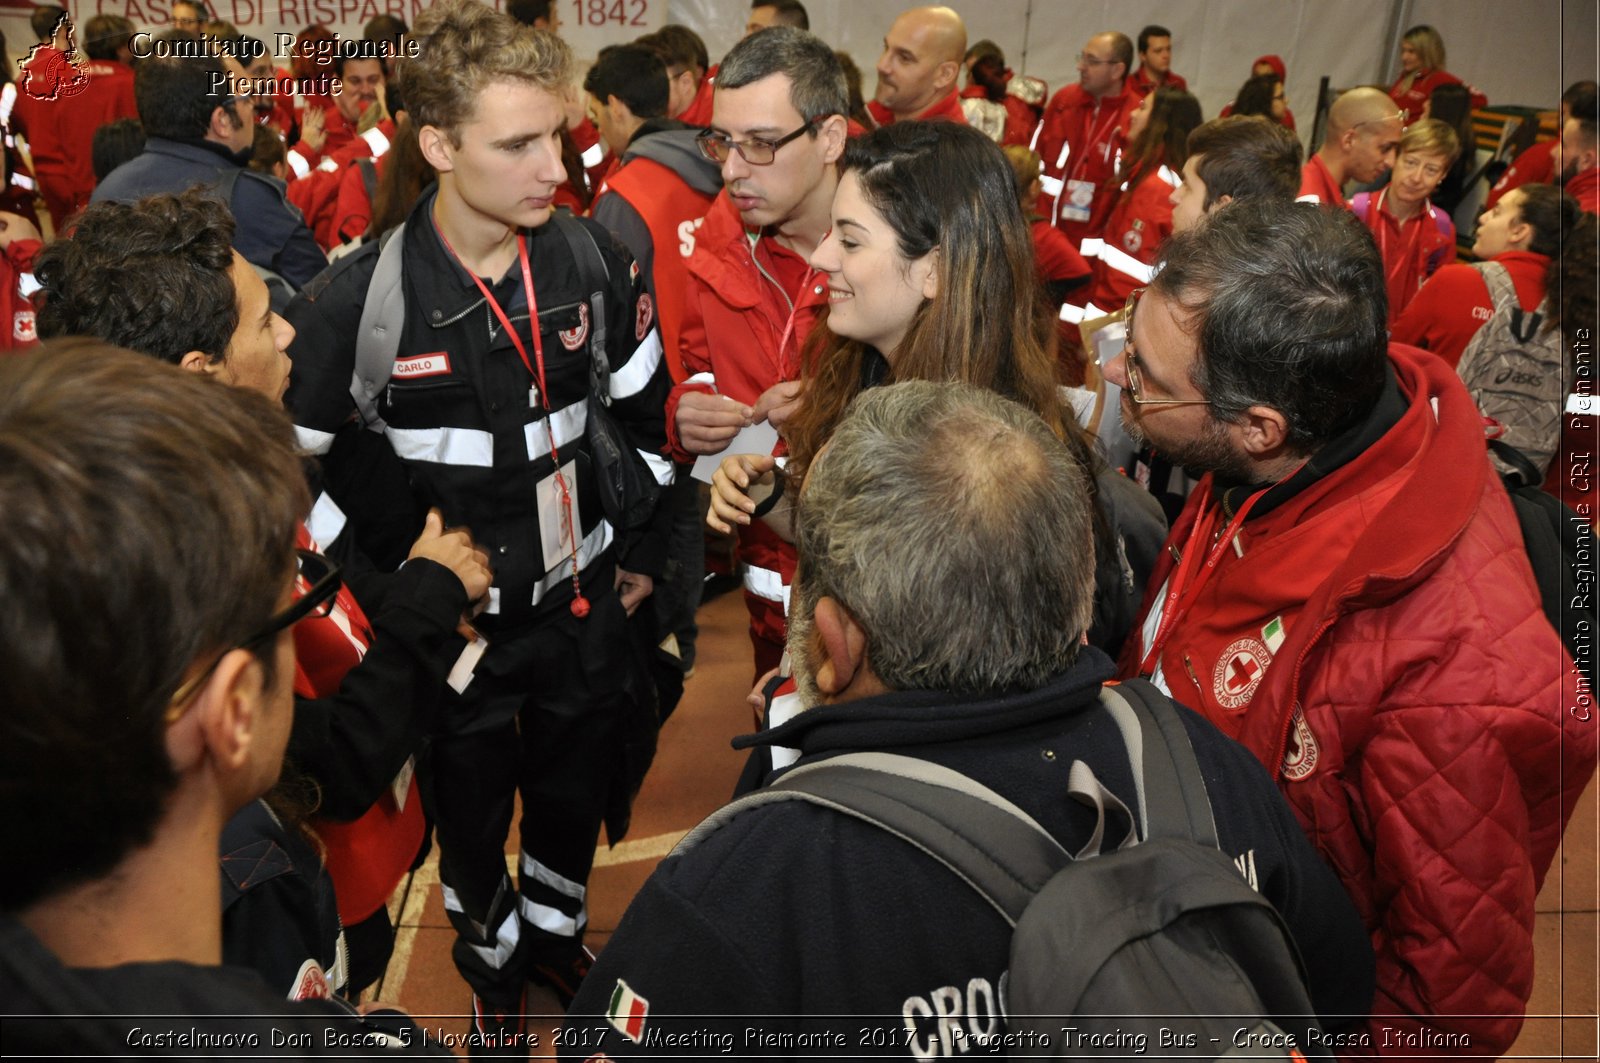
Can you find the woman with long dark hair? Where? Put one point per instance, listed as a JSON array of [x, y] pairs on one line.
[[931, 277], [1141, 216]]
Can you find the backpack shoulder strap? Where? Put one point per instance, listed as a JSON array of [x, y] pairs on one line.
[[987, 841], [369, 177], [1498, 280], [1171, 790], [596, 278], [1525, 474], [1360, 204], [383, 318]]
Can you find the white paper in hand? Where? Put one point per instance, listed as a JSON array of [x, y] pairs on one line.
[[757, 439]]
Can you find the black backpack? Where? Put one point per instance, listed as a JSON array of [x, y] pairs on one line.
[[1158, 947], [1560, 546]]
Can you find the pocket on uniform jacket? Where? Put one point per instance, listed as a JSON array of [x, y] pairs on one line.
[[429, 403]]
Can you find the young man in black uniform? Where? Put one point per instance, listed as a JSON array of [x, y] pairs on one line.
[[147, 669], [931, 618], [488, 417]]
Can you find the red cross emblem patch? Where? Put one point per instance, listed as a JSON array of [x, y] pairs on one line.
[[573, 338], [1239, 671]]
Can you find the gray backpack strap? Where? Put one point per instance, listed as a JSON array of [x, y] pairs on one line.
[[987, 841], [596, 278], [1172, 796], [383, 318], [1502, 291]]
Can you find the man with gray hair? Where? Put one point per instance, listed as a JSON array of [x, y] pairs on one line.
[[1347, 594], [938, 614]]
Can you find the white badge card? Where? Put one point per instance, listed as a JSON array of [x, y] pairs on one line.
[[555, 531], [1080, 197]]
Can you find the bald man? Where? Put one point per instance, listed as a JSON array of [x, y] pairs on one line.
[[1364, 130], [917, 72]]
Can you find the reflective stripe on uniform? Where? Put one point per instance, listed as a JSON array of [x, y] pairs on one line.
[[444, 446], [640, 367]]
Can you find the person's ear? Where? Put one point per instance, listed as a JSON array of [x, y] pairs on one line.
[[833, 132], [844, 646], [926, 274], [221, 720], [436, 148], [1221, 201], [1263, 432], [945, 74], [221, 125], [200, 362]]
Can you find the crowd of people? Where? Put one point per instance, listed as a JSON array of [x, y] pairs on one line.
[[385, 522]]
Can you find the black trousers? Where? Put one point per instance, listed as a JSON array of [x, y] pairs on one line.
[[545, 717]]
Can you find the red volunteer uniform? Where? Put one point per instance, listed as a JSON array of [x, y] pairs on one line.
[[698, 112], [1413, 250], [946, 108], [1124, 259], [17, 326], [1079, 140], [107, 98], [1317, 184], [1535, 166], [1412, 100], [1142, 84], [742, 333], [1377, 642], [1585, 188], [1454, 304]]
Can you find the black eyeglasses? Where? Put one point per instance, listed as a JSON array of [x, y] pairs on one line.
[[1135, 389], [757, 151], [323, 581]]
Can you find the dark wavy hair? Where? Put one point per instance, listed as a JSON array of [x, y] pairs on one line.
[[1566, 232], [1164, 141], [151, 276]]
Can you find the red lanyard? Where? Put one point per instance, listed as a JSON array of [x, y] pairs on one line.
[[790, 370], [580, 604], [1176, 603], [1094, 138]]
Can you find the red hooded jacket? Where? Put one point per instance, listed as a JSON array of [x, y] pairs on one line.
[[1378, 642], [1080, 139]]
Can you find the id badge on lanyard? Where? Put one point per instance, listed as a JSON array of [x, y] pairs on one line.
[[1078, 201]]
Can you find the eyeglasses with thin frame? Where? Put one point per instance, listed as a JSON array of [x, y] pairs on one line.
[[1089, 60], [1135, 388], [324, 578], [757, 151], [1400, 115]]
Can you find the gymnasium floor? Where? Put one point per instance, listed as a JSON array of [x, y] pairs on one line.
[[695, 770]]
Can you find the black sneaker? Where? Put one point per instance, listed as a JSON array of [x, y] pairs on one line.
[[562, 972], [498, 1034]]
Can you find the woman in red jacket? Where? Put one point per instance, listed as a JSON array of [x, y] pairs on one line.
[[1422, 70], [1545, 242], [1414, 237], [1141, 216]]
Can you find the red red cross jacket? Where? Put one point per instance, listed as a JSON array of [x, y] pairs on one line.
[[737, 339], [1079, 140], [1378, 642], [1412, 99], [946, 108]]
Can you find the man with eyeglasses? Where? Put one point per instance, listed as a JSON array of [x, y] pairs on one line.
[[1082, 134], [147, 667], [1347, 594], [777, 130], [1364, 131], [366, 684], [920, 68], [189, 16]]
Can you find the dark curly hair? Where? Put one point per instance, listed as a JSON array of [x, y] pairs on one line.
[[151, 276]]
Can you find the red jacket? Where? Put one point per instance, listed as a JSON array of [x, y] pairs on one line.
[[1317, 184], [366, 858], [667, 207], [1412, 99], [1450, 309], [1079, 140], [108, 97], [946, 108], [1585, 188], [1536, 166], [739, 338], [1412, 250], [1142, 84], [698, 113], [1411, 707], [1140, 220], [17, 326]]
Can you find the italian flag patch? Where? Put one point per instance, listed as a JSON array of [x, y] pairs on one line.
[[1272, 634], [627, 1011]]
